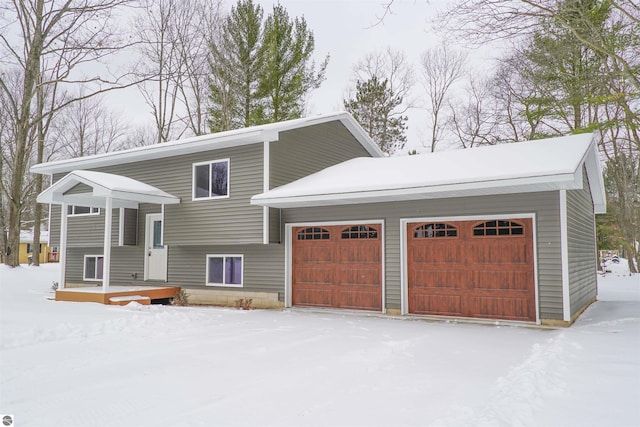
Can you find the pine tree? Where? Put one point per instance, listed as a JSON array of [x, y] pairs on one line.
[[373, 108], [289, 73], [236, 62]]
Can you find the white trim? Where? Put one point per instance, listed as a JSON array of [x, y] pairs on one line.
[[84, 268], [288, 252], [266, 180], [564, 256], [148, 241], [62, 256], [233, 138], [404, 286], [108, 217], [120, 226], [224, 257], [193, 180]]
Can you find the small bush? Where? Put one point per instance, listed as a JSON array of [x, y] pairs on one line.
[[181, 298], [243, 303]]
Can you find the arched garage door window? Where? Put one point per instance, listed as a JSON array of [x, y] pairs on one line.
[[360, 232], [313, 233], [434, 230], [498, 228]]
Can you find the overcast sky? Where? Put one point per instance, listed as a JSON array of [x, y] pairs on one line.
[[349, 29]]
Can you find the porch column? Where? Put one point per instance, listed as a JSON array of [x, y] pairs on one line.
[[106, 263], [62, 256]]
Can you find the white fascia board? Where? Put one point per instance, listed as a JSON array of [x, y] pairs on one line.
[[156, 151], [365, 140], [524, 185]]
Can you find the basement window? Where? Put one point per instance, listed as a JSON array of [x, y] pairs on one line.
[[93, 267], [225, 270]]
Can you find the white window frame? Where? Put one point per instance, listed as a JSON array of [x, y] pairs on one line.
[[84, 268], [193, 180], [92, 211], [224, 258]]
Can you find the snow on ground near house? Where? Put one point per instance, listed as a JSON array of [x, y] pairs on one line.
[[85, 364]]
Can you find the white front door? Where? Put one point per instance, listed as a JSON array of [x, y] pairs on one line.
[[155, 265]]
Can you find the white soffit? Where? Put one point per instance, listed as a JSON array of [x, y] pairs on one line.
[[543, 165]]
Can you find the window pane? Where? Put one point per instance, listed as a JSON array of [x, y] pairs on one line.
[[233, 270], [157, 234], [99, 267], [70, 210], [90, 268], [219, 179], [215, 270], [79, 210], [202, 181]]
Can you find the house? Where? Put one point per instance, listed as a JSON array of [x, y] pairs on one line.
[[25, 252], [309, 213]]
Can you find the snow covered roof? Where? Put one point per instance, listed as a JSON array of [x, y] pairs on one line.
[[542, 165], [125, 192], [232, 138], [26, 236]]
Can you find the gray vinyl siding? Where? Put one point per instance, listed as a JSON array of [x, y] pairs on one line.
[[130, 236], [544, 204], [582, 247], [301, 152], [263, 266], [229, 220]]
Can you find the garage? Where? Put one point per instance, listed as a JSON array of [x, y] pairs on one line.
[[477, 269], [337, 266]]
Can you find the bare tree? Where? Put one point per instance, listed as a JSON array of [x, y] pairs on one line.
[[474, 121], [85, 128], [175, 43], [441, 67], [391, 65], [46, 43], [481, 20]]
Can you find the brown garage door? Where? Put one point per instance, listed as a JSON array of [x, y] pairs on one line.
[[481, 269], [337, 266]]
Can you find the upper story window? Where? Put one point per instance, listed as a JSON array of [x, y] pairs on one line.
[[73, 210], [435, 229], [211, 180]]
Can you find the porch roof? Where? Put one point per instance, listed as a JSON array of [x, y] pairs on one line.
[[125, 192]]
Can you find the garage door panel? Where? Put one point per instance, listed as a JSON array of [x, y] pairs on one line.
[[359, 254], [313, 254], [501, 308], [497, 280], [436, 305], [358, 276], [313, 296], [311, 275], [360, 299], [337, 266], [425, 278], [472, 269]]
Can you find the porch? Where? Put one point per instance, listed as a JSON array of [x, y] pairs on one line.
[[117, 295]]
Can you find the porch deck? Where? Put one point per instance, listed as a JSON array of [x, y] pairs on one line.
[[116, 295]]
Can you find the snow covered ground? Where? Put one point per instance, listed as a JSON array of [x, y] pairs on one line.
[[84, 364]]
